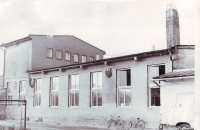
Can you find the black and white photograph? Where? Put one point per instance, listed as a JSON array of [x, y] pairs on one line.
[[99, 65]]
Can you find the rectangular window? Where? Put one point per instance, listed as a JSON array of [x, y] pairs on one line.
[[73, 90], [154, 90], [84, 59], [59, 55], [76, 58], [96, 89], [9, 93], [67, 56], [22, 90], [54, 91], [49, 53], [37, 92], [91, 58], [123, 87]]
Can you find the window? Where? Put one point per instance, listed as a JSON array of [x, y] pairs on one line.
[[73, 90], [75, 57], [22, 90], [49, 53], [153, 89], [54, 91], [96, 89], [9, 93], [123, 87], [84, 59], [67, 56], [59, 55], [91, 58], [37, 93]]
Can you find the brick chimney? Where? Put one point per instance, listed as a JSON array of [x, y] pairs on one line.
[[172, 26]]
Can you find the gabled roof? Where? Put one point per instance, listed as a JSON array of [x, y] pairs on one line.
[[29, 38], [176, 74]]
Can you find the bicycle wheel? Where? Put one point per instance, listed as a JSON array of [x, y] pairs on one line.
[[119, 124], [109, 123], [140, 125], [129, 124]]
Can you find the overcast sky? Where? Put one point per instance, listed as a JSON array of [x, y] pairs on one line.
[[117, 27]]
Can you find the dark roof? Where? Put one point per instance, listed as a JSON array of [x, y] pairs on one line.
[[137, 56], [176, 74]]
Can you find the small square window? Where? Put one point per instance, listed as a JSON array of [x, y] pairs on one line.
[[49, 53], [91, 58], [67, 56], [84, 59], [59, 55], [76, 58]]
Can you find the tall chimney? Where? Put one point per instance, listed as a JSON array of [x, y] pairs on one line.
[[172, 27]]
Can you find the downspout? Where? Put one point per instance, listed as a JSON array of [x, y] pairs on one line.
[[3, 67]]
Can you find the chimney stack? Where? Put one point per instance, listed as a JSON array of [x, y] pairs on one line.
[[172, 26]]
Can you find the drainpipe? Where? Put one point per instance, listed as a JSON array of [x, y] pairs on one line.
[[3, 66]]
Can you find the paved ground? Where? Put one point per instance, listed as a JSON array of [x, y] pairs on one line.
[[54, 126]]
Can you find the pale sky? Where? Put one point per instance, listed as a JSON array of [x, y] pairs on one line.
[[117, 27]]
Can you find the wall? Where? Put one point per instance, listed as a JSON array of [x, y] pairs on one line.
[[66, 44], [183, 57], [86, 114], [17, 62], [1, 81]]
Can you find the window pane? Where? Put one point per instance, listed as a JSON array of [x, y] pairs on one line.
[[94, 99], [59, 54], [155, 96], [67, 56], [96, 79], [128, 97], [71, 99], [9, 102], [83, 58], [37, 100], [54, 83], [75, 57], [9, 87], [54, 99], [99, 79], [121, 98], [22, 86], [72, 81], [99, 98], [124, 77], [76, 99], [91, 58], [50, 53]]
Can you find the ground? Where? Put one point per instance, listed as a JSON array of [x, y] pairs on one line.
[[31, 125]]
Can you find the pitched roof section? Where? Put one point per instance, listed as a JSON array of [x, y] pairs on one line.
[[176, 74], [29, 38]]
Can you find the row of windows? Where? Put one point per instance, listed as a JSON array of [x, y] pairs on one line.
[[123, 90], [67, 56]]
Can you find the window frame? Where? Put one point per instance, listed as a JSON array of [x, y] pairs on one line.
[[73, 91], [37, 92], [96, 89], [48, 55], [60, 52], [75, 54], [53, 92], [69, 56], [150, 85], [22, 86], [82, 58], [123, 88], [91, 57], [10, 87]]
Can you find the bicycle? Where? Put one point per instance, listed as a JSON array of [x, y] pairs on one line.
[[138, 124], [119, 123]]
